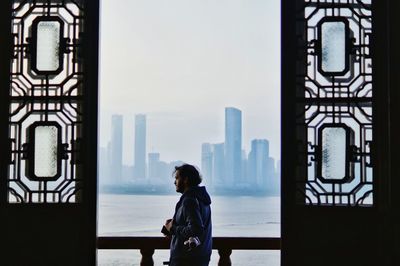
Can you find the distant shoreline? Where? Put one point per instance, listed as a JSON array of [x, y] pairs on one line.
[[162, 190]]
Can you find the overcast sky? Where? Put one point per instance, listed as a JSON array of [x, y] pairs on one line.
[[182, 62]]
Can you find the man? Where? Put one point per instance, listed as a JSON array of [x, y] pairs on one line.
[[192, 219]]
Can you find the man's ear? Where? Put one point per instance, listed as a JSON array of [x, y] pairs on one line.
[[186, 180]]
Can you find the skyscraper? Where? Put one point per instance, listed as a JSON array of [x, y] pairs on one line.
[[257, 170], [218, 164], [140, 146], [261, 170], [154, 160], [207, 163], [116, 149], [233, 145]]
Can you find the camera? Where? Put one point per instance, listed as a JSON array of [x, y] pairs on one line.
[[165, 231], [192, 242]]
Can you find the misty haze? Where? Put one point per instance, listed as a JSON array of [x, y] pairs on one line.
[[193, 82]]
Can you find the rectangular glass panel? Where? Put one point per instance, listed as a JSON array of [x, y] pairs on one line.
[[48, 46], [333, 46], [333, 153], [46, 146]]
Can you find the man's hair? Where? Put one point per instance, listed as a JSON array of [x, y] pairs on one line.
[[189, 171]]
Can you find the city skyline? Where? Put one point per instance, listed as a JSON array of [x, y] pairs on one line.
[[128, 158], [224, 165], [190, 151]]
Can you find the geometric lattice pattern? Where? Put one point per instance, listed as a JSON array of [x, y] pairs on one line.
[[51, 96], [334, 89]]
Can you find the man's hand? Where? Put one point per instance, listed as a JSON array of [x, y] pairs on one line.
[[168, 224], [166, 230]]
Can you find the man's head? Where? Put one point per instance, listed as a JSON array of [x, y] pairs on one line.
[[186, 176]]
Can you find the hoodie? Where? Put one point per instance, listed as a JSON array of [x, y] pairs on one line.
[[192, 218]]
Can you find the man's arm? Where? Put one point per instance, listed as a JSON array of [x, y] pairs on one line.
[[193, 222]]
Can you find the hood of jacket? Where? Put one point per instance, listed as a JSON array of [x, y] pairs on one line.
[[200, 193]]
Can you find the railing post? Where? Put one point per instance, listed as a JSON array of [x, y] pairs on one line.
[[224, 257], [147, 257]]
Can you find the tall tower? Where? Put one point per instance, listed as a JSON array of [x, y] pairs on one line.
[[233, 145], [116, 149], [140, 146], [258, 162], [218, 164], [154, 161], [207, 163], [261, 170]]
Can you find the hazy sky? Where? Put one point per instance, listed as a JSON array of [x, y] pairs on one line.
[[182, 62]]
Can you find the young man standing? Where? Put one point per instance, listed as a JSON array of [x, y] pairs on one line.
[[190, 227]]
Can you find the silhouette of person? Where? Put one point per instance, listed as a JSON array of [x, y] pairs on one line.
[[190, 227]]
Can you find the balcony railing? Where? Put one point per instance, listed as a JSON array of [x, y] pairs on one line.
[[224, 245]]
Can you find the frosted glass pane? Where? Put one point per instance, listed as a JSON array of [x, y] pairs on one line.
[[48, 46], [333, 46], [46, 145], [333, 153]]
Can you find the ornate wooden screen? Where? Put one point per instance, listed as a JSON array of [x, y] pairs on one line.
[[334, 103], [46, 101], [48, 131]]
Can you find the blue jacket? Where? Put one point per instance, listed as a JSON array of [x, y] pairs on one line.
[[192, 218]]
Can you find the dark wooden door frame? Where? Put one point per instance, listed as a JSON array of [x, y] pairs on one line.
[[383, 218], [85, 234]]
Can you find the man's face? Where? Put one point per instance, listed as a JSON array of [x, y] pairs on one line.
[[179, 183]]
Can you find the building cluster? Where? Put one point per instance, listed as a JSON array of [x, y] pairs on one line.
[[228, 168], [225, 166], [152, 171]]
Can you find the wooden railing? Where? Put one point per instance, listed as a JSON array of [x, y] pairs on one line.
[[224, 245]]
